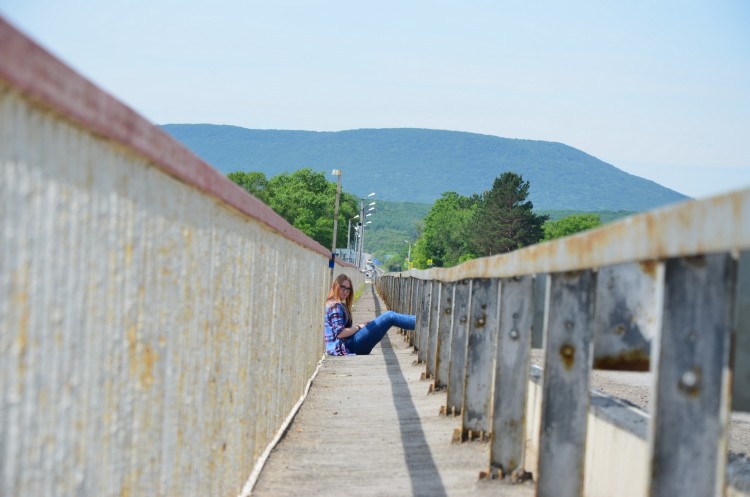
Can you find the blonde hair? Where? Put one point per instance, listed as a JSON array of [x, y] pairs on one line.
[[335, 293]]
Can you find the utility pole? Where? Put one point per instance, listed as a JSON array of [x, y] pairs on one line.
[[332, 261], [361, 231], [362, 219], [349, 256]]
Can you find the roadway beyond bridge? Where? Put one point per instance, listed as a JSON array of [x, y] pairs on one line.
[[369, 427]]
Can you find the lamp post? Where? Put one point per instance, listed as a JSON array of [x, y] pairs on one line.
[[331, 262], [362, 228], [348, 239]]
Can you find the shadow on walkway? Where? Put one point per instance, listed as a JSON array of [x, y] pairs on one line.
[[423, 472]]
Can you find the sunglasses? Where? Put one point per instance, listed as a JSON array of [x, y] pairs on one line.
[[347, 288]]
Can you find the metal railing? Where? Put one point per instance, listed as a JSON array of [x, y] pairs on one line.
[[667, 290], [157, 323]]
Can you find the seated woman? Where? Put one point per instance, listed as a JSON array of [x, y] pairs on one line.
[[344, 338]]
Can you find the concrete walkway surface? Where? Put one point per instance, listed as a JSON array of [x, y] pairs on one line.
[[369, 428]]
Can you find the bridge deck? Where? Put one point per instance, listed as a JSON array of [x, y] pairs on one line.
[[369, 427]]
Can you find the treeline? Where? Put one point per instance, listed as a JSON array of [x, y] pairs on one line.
[[500, 220], [455, 229]]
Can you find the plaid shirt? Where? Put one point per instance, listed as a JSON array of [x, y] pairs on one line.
[[336, 319]]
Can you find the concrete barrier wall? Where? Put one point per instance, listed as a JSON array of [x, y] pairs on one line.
[[157, 324]]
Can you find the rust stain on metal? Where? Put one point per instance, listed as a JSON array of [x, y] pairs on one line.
[[567, 354], [649, 268], [141, 360], [458, 436], [21, 300], [632, 360], [690, 382], [128, 254], [697, 261], [149, 358], [520, 475], [132, 350], [573, 274]]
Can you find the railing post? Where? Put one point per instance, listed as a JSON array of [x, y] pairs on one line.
[[435, 318], [511, 378], [443, 353], [688, 436], [406, 296], [459, 342], [415, 285], [423, 327], [540, 290], [483, 323], [741, 357], [567, 364]]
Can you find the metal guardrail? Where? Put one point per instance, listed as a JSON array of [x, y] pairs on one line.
[[667, 290], [157, 323]]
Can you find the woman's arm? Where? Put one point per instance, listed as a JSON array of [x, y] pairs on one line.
[[337, 318], [347, 332]]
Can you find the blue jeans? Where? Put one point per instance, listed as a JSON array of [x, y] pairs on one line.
[[362, 342]]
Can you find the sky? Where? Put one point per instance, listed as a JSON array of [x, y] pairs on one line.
[[659, 89]]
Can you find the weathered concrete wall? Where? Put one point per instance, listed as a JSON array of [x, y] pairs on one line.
[[155, 326]]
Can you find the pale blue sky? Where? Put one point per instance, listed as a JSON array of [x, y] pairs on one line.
[[660, 89]]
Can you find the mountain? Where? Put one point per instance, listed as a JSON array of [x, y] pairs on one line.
[[418, 165]]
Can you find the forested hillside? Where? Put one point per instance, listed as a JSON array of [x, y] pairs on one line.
[[418, 165]]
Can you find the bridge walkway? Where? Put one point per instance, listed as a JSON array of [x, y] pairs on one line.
[[369, 427]]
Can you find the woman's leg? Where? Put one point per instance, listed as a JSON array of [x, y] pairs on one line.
[[368, 337]]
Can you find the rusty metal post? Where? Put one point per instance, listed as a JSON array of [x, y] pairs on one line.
[[567, 365], [483, 325], [414, 307], [512, 362], [443, 353], [459, 342], [741, 354], [540, 290], [688, 438], [435, 318], [423, 327]]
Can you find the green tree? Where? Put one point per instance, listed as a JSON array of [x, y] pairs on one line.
[[504, 220], [304, 198], [253, 182], [569, 225], [443, 238]]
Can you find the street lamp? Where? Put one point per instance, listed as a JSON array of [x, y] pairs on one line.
[[362, 227], [348, 239], [332, 260]]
